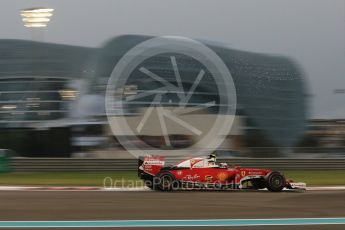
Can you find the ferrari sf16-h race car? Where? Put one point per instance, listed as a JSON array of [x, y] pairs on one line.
[[205, 173]]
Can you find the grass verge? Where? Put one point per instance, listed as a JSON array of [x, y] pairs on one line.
[[129, 178], [67, 178], [318, 178]]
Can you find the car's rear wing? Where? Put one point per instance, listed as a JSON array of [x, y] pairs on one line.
[[150, 165]]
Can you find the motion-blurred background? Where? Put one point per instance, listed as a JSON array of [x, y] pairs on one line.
[[286, 60]]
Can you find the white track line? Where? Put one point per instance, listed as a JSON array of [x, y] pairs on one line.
[[326, 188], [130, 189], [71, 188]]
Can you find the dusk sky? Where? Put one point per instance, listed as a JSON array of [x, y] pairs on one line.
[[312, 32]]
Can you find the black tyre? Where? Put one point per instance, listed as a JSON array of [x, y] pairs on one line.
[[275, 181], [165, 181]]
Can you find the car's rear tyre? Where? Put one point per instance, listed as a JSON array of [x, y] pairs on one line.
[[165, 181], [275, 181]]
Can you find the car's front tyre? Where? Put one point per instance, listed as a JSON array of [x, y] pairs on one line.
[[275, 181]]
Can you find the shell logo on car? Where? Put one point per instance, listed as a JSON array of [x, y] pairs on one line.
[[222, 176]]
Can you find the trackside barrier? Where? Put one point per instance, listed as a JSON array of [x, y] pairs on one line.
[[4, 160], [96, 164]]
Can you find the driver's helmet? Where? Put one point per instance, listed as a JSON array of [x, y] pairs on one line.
[[212, 157]]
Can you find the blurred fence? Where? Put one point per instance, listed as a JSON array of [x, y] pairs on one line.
[[95, 164]]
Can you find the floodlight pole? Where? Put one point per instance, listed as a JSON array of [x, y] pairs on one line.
[[35, 19]]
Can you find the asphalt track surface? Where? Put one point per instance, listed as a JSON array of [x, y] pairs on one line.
[[107, 205]]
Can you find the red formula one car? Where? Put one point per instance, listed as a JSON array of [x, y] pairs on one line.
[[205, 173]]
